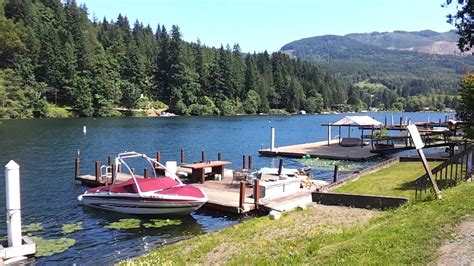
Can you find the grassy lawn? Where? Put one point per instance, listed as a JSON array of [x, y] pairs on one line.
[[397, 180], [407, 235]]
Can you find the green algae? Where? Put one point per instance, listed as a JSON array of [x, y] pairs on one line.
[[158, 223], [48, 247], [71, 228], [125, 224], [31, 228]]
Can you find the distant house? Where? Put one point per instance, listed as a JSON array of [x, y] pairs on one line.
[[340, 107]]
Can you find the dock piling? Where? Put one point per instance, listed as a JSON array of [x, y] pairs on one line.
[[272, 147], [158, 156], [280, 167], [97, 171], [250, 162], [113, 175], [244, 160], [242, 196], [203, 156], [109, 160], [219, 156], [336, 172], [77, 165], [12, 187], [145, 173], [182, 156], [256, 193]]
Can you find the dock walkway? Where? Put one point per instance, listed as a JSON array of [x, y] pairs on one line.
[[322, 150]]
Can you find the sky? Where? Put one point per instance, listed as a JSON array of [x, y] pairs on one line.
[[258, 25]]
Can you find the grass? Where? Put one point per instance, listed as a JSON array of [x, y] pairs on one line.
[[407, 235], [397, 180]]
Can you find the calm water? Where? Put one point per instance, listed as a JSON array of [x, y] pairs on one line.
[[45, 150]]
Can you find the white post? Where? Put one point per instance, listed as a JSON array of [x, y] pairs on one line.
[[12, 187], [329, 135], [84, 129], [273, 139]]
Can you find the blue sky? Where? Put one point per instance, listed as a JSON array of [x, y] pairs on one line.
[[260, 25]]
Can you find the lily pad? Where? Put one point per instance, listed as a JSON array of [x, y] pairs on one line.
[[48, 247], [71, 228], [31, 228], [157, 223], [125, 224]]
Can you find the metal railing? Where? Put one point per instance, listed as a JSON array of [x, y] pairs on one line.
[[448, 174]]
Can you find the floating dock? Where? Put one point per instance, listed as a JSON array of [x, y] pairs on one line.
[[322, 150]]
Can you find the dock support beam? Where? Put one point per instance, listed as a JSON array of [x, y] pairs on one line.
[[242, 196], [12, 187]]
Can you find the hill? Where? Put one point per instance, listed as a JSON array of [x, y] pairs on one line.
[[422, 64]]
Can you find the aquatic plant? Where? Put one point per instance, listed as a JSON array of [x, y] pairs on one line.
[[48, 247], [71, 228], [329, 164], [157, 223], [125, 224], [31, 228]]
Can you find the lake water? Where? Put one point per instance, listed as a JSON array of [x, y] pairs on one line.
[[46, 148]]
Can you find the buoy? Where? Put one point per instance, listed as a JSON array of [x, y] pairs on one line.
[[84, 129]]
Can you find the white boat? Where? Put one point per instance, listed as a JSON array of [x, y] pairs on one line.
[[166, 114], [139, 195]]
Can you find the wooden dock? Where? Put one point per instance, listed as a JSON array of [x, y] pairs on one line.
[[322, 150], [224, 195]]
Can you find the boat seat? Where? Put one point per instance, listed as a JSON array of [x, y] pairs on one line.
[[146, 185]]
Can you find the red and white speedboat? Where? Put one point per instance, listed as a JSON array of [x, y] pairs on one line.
[[155, 195]]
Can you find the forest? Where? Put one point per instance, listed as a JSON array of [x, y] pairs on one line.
[[55, 62]]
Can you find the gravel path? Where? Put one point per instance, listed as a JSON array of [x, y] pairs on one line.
[[460, 250]]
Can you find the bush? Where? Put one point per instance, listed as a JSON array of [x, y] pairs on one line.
[[278, 112], [54, 111]]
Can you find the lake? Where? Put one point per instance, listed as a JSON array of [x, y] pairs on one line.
[[46, 148]]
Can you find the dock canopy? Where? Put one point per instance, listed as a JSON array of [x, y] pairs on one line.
[[353, 121], [363, 120]]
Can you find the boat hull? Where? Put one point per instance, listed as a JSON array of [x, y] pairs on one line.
[[141, 206]]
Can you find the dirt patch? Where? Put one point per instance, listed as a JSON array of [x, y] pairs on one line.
[[460, 250], [316, 220]]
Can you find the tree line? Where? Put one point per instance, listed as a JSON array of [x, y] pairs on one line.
[[53, 55]]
